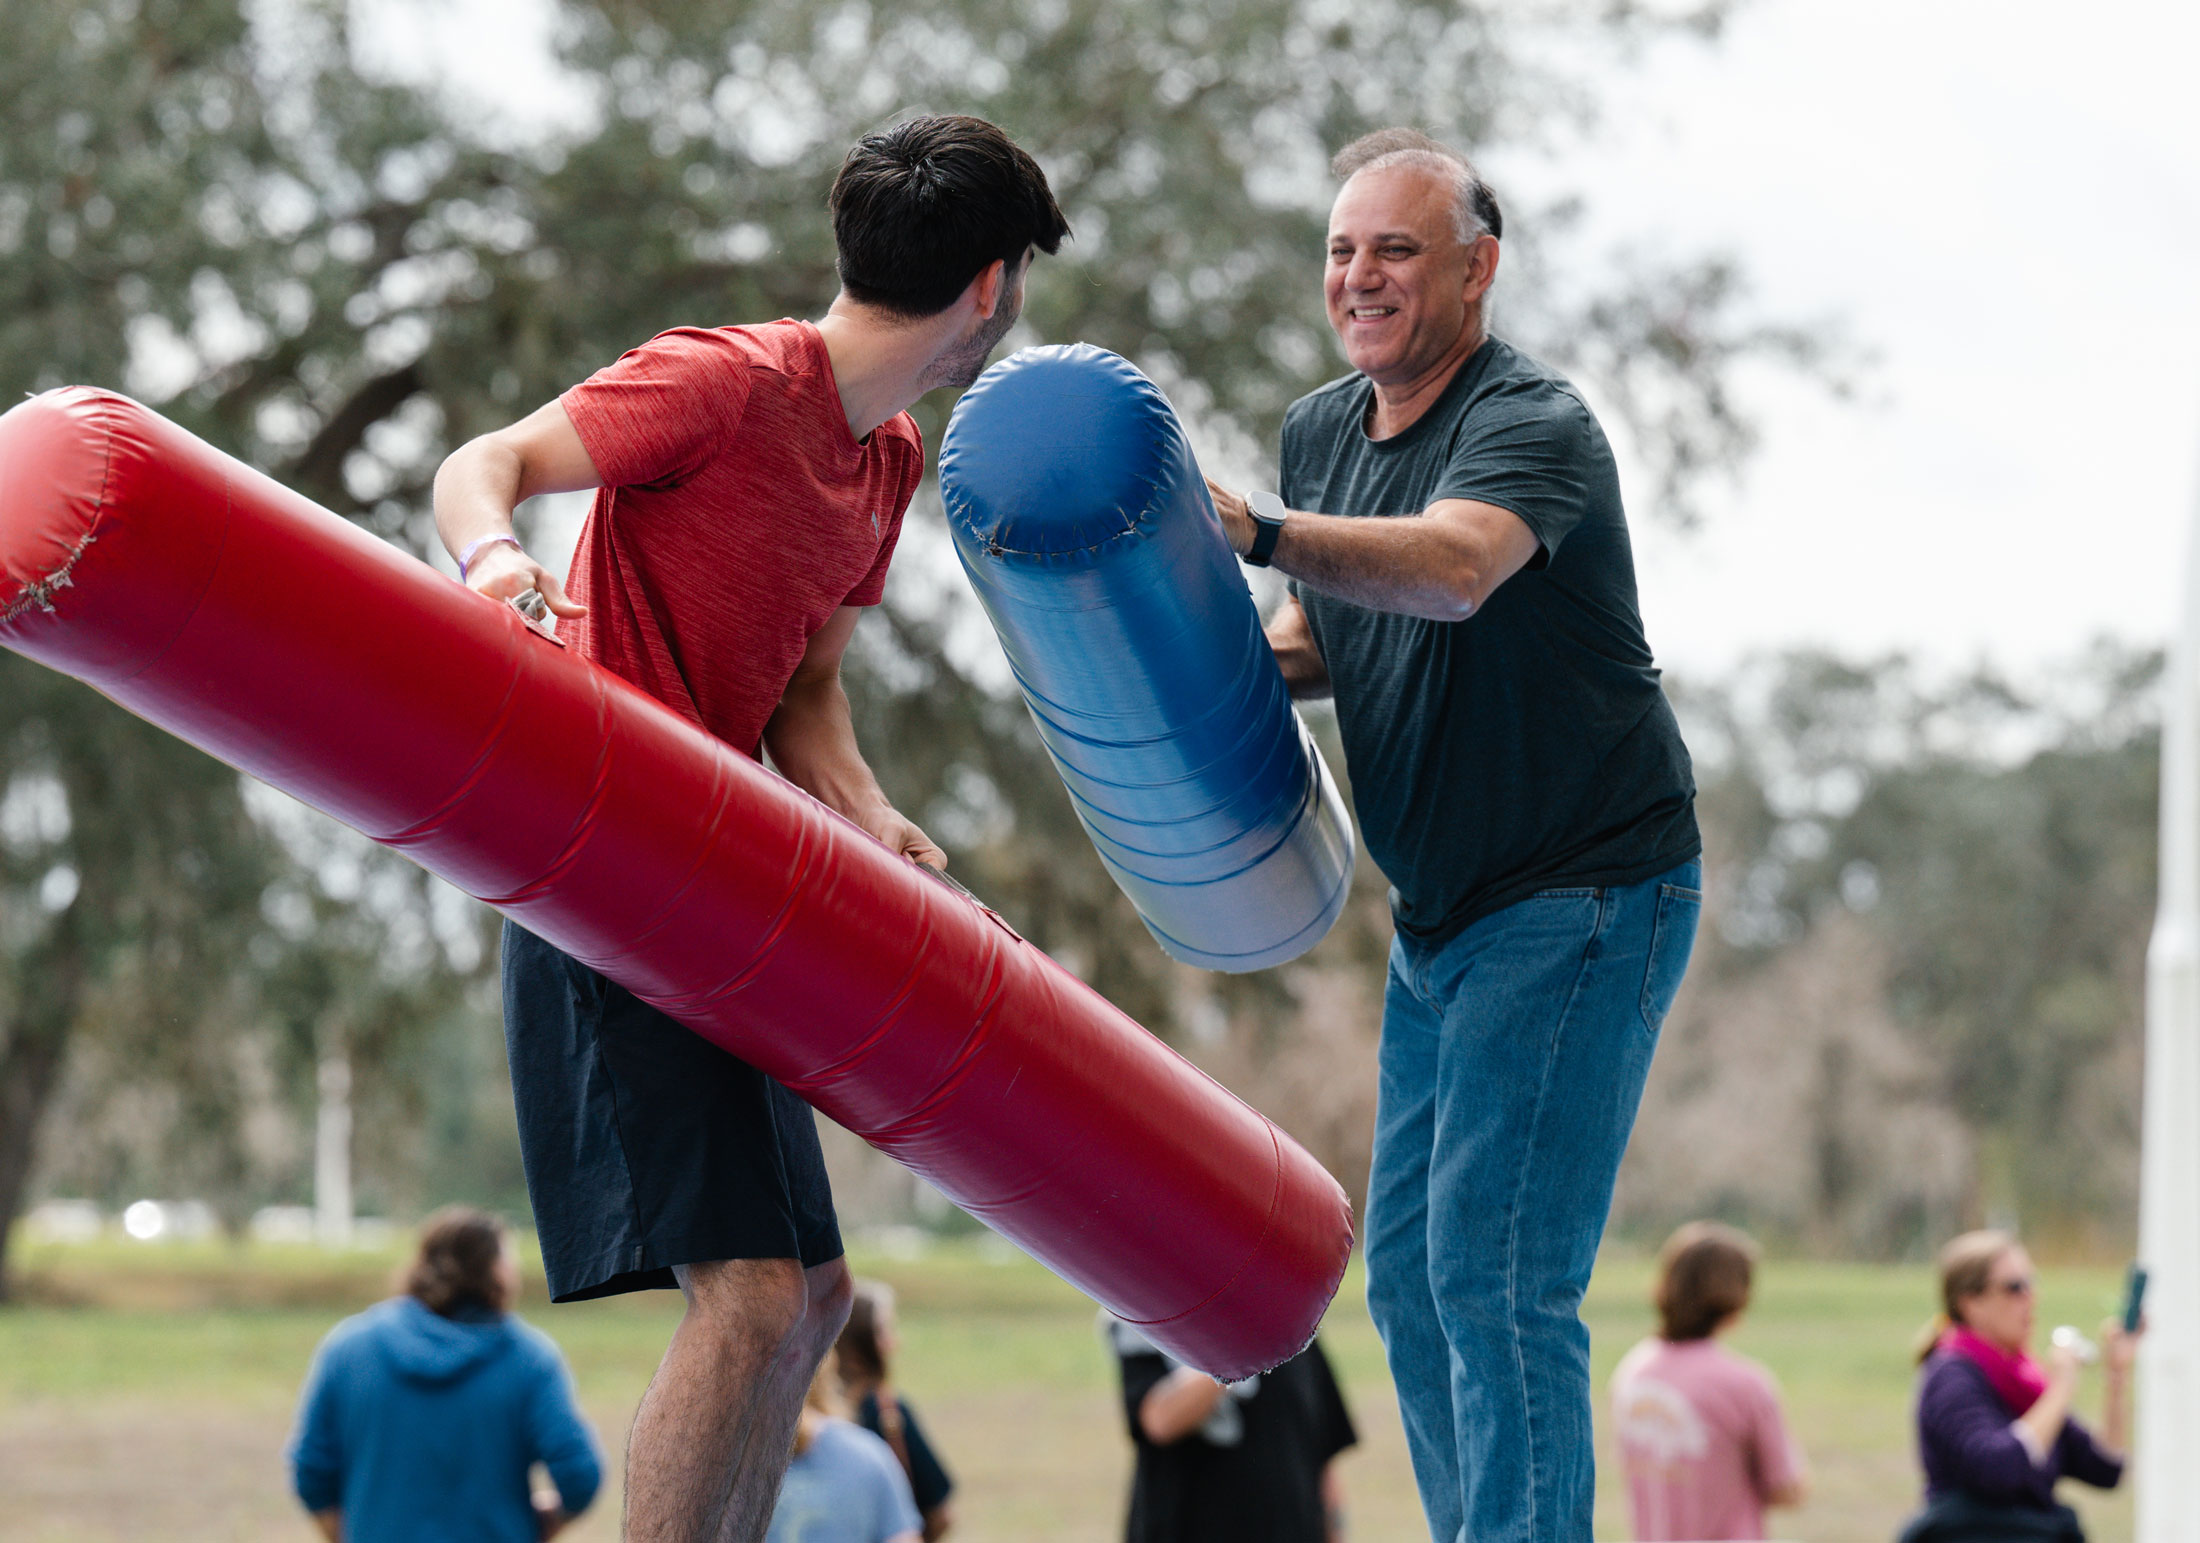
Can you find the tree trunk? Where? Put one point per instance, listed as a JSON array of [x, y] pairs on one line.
[[30, 1067]]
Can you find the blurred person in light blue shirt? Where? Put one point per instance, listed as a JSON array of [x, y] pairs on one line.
[[845, 1485], [423, 1417]]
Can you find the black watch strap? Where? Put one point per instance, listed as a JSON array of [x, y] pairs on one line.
[[1267, 513]]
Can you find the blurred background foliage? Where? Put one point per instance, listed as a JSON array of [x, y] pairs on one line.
[[1929, 899]]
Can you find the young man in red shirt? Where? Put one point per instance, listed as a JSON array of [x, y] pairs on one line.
[[750, 487]]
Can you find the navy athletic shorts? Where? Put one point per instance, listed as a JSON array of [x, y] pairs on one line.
[[647, 1146]]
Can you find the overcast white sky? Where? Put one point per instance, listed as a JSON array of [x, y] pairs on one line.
[[2001, 200]]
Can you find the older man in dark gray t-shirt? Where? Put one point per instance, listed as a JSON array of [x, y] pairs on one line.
[[1461, 581]]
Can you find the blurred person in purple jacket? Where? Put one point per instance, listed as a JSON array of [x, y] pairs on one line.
[[1994, 1427]]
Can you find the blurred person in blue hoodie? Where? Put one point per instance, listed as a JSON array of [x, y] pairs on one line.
[[423, 1417]]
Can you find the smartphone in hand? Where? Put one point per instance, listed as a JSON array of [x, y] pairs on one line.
[[2135, 1295]]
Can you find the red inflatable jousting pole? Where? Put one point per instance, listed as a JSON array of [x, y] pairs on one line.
[[208, 599]]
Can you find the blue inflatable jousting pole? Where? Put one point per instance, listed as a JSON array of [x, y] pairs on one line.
[[1087, 531]]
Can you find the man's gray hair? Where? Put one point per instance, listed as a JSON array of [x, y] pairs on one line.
[[1474, 206]]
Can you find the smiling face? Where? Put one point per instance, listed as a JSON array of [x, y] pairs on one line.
[[1404, 293], [2002, 1313]]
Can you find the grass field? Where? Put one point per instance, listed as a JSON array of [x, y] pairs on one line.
[[145, 1392]]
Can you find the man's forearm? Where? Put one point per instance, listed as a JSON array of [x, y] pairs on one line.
[[1178, 1405], [1291, 638], [1441, 564], [1409, 564], [476, 490], [1305, 676], [812, 740]]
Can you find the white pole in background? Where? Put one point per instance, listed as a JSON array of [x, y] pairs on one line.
[[2169, 1172], [332, 1153]]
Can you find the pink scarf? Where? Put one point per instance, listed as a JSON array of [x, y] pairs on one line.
[[2015, 1376]]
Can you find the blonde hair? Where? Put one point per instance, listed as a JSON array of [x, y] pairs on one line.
[[824, 1398], [1966, 1268], [824, 1395]]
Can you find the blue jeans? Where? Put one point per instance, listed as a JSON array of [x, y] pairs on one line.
[[1512, 1061]]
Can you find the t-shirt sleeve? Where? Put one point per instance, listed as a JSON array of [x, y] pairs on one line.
[[1535, 450], [1287, 481], [1773, 1458], [897, 1508], [2083, 1459], [928, 1477], [557, 1434], [1287, 445], [659, 413], [1333, 1429]]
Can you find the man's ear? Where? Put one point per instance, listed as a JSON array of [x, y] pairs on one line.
[[1481, 267], [989, 288]]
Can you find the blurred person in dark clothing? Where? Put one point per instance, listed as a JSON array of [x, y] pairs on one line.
[[1994, 1427], [865, 1355], [423, 1417], [1242, 1462]]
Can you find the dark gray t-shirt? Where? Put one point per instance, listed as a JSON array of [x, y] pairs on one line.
[[1528, 747]]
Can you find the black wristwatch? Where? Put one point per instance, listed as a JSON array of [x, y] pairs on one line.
[[1267, 512]]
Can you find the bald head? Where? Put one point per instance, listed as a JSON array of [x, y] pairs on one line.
[[1473, 205]]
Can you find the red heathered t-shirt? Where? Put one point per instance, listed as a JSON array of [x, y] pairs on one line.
[[737, 513]]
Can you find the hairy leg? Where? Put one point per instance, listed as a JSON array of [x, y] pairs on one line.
[[716, 1428], [764, 1456]]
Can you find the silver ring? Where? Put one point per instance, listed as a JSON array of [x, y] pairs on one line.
[[530, 604]]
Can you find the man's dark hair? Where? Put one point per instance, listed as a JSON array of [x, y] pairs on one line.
[[1475, 206], [1704, 1275], [921, 208], [455, 1270]]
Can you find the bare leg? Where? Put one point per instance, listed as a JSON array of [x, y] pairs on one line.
[[764, 1456], [716, 1428]]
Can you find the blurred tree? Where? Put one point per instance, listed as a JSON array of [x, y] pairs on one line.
[[338, 278], [1931, 903], [160, 164], [129, 882], [127, 855], [2016, 898], [368, 960]]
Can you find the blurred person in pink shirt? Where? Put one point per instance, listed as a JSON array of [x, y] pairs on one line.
[[1699, 1428]]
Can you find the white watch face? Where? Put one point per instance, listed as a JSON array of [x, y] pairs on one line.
[[1265, 506]]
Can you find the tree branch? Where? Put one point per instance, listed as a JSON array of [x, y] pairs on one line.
[[319, 468]]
